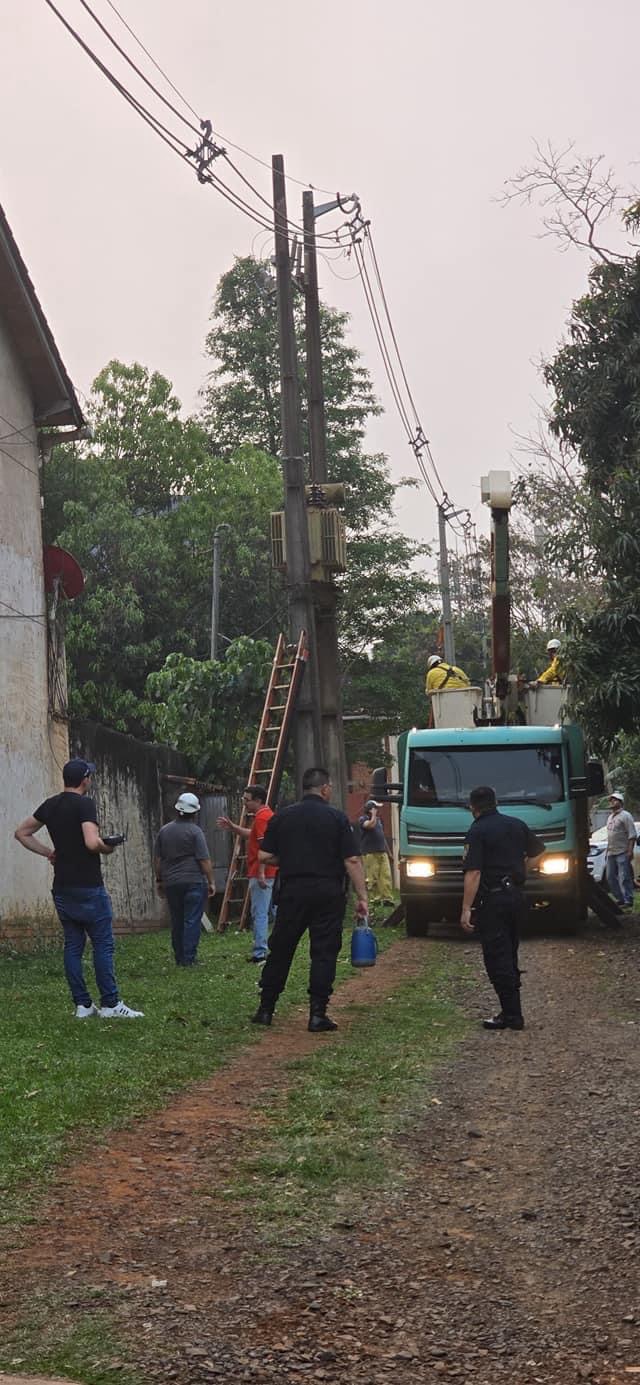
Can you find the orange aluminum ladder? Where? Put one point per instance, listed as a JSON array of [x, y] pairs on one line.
[[287, 672]]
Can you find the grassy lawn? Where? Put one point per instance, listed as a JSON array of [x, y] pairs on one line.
[[64, 1080], [331, 1135], [330, 1139], [83, 1349]]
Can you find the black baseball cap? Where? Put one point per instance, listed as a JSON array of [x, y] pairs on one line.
[[75, 771]]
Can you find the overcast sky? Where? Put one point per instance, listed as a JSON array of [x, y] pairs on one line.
[[423, 108]]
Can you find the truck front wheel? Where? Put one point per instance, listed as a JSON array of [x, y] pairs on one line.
[[416, 918]]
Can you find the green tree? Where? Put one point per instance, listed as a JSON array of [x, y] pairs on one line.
[[210, 710], [384, 685], [595, 418], [241, 399], [596, 412], [138, 507]]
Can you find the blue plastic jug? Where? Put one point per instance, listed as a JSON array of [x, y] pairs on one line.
[[364, 945]]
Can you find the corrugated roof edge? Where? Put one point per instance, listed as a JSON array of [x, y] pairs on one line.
[[55, 400]]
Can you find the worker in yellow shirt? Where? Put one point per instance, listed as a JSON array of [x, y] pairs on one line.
[[554, 674], [442, 677]]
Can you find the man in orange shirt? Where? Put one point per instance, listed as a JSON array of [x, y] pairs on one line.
[[261, 877]]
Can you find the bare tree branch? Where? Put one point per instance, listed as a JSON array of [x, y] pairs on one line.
[[577, 194]]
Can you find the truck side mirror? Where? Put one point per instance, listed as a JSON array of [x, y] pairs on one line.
[[383, 789], [595, 779]]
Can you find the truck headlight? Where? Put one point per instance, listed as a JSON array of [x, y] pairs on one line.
[[420, 870], [555, 865]]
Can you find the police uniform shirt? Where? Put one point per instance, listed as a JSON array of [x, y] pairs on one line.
[[311, 840], [497, 846]]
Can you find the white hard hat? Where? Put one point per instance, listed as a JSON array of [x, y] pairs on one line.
[[187, 803], [617, 794], [433, 660], [553, 644]]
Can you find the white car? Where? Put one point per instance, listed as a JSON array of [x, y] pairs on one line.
[[597, 856]]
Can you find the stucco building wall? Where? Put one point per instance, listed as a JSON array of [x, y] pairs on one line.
[[30, 742]]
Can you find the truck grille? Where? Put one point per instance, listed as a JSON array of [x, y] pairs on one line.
[[417, 838]]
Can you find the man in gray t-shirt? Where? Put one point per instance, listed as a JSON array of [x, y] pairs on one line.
[[185, 875], [621, 837]]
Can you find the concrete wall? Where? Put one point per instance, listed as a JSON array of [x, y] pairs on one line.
[[131, 796], [30, 743]]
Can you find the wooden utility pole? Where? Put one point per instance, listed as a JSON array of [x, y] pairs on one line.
[[307, 726], [325, 595]]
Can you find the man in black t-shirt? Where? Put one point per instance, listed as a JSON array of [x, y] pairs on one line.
[[315, 848], [82, 903]]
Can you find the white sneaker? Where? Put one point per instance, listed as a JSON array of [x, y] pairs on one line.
[[85, 1012], [119, 1012]]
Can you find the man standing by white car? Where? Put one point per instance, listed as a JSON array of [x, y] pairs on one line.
[[621, 838]]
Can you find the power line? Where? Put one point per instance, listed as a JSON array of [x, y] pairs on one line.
[[207, 147], [32, 471], [356, 228], [21, 615], [187, 103], [85, 4]]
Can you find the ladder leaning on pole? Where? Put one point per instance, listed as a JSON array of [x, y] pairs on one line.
[[287, 672]]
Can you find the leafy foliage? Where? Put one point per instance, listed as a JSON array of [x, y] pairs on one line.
[[138, 508], [242, 395], [596, 411], [210, 709]]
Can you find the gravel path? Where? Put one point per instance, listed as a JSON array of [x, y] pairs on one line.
[[510, 1254]]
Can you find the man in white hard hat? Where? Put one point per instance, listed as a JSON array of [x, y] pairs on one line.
[[184, 874], [621, 839], [554, 674], [443, 677]]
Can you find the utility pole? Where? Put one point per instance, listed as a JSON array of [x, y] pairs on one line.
[[215, 590], [325, 595], [307, 726], [445, 587]]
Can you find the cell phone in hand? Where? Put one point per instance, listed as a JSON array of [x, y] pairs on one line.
[[116, 840]]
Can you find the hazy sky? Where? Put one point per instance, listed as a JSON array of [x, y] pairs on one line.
[[423, 108]]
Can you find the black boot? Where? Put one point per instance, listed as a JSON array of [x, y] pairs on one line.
[[319, 1022], [263, 1015]]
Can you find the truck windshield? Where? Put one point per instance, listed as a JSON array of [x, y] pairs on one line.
[[439, 776]]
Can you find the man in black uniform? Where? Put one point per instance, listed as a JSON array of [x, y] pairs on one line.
[[315, 848], [496, 852]]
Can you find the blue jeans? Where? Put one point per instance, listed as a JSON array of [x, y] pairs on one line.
[[186, 907], [620, 877], [260, 907], [85, 912]]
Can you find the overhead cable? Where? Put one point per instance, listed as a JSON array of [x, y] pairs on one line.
[[217, 133], [176, 141]]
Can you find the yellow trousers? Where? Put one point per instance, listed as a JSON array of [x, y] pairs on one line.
[[378, 873]]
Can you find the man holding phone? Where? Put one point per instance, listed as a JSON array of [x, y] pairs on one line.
[[82, 902]]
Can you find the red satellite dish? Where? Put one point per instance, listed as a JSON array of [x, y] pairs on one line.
[[62, 571]]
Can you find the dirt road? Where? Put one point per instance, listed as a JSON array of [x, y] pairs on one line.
[[509, 1254]]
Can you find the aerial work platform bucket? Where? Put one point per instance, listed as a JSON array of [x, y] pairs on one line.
[[454, 707], [546, 704]]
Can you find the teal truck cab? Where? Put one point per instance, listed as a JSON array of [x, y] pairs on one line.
[[511, 736], [539, 774]]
